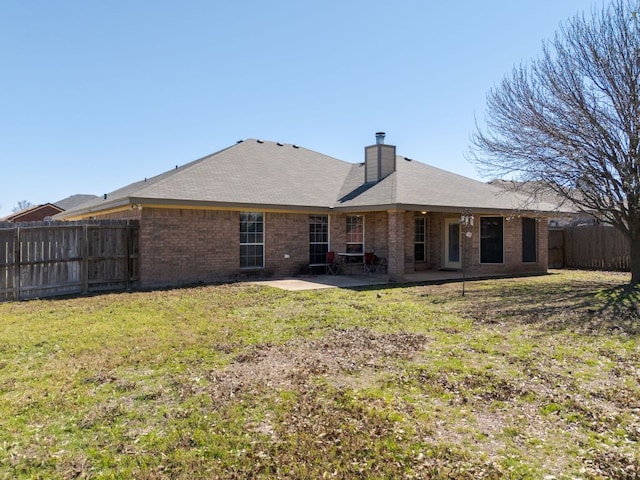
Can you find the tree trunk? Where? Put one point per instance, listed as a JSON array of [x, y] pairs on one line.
[[635, 259]]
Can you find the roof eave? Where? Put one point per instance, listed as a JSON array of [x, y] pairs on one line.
[[217, 205], [102, 209], [435, 208], [143, 202]]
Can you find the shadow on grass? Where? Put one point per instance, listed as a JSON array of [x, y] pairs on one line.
[[588, 307], [627, 296]]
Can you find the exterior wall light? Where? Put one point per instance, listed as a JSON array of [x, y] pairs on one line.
[[466, 220]]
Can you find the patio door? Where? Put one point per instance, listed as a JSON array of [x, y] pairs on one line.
[[452, 243]]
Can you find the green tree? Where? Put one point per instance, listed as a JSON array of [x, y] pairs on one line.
[[569, 121]]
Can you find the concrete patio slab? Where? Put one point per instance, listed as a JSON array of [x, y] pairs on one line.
[[314, 282]]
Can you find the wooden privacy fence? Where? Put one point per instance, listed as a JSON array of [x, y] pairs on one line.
[[596, 247], [46, 259]]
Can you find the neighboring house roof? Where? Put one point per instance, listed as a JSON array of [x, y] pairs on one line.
[[42, 212], [74, 201], [33, 213], [261, 174]]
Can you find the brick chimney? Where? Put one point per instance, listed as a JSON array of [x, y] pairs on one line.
[[379, 160]]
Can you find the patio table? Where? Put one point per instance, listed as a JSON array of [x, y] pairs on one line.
[[351, 261], [349, 256]]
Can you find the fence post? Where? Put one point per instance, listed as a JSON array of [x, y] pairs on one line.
[[17, 264], [127, 269], [85, 258]]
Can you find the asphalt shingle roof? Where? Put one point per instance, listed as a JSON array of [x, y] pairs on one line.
[[276, 175], [74, 201], [417, 184]]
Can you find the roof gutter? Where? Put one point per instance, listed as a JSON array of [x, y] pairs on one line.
[[129, 202], [102, 209], [402, 207], [122, 204]]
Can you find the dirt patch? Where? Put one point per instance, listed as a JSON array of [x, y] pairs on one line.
[[338, 355]]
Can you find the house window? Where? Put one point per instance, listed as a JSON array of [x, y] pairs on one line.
[[419, 237], [529, 241], [318, 239], [355, 234], [251, 240], [491, 240]]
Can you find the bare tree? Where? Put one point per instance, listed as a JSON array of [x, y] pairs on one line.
[[570, 120], [22, 205]]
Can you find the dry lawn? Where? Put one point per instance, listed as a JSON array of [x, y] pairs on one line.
[[521, 378]]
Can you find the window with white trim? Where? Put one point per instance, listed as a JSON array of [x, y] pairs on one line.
[[355, 234], [318, 239], [251, 240]]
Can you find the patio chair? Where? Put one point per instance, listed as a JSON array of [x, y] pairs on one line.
[[381, 264], [369, 263], [334, 264]]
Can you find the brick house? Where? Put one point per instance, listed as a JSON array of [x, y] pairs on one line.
[[37, 213], [273, 209], [34, 213]]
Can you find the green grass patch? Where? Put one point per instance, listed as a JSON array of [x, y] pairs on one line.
[[520, 378]]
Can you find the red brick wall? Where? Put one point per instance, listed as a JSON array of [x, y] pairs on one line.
[[286, 234], [376, 232], [181, 246], [184, 246], [409, 232], [435, 240], [36, 214], [376, 229], [338, 232], [397, 236], [512, 246], [543, 243]]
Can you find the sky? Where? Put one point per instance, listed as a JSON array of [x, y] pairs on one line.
[[95, 95]]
